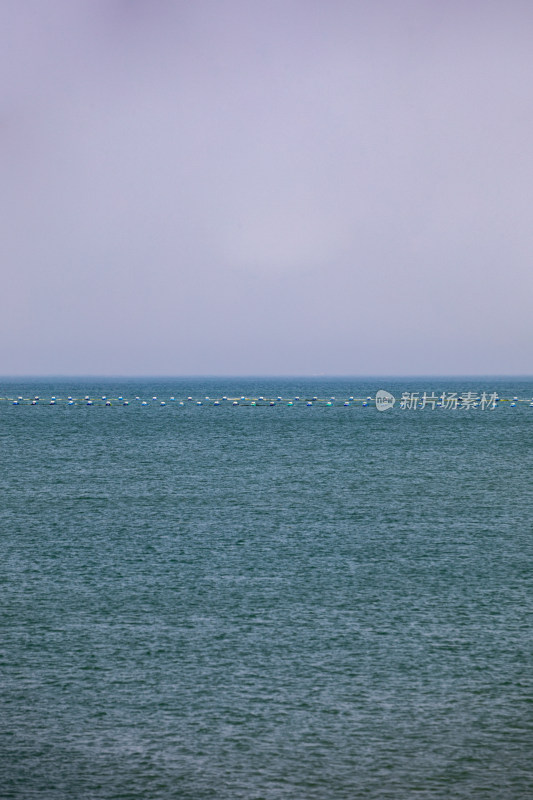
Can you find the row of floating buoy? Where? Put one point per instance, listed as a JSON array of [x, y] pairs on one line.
[[104, 400], [242, 400]]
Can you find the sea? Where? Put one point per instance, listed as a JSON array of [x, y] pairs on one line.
[[240, 597]]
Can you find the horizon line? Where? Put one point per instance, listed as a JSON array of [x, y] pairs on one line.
[[251, 376]]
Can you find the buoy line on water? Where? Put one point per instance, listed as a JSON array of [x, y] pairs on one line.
[[189, 401], [225, 401]]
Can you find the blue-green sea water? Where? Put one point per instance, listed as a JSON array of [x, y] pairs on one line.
[[248, 602]]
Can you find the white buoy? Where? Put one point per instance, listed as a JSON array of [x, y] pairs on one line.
[[346, 403], [235, 403], [71, 402], [216, 403], [89, 402], [144, 403], [34, 402], [163, 403], [309, 403], [108, 402], [198, 402], [189, 398], [172, 398], [125, 403], [16, 402]]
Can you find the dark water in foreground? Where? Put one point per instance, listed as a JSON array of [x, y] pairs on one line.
[[285, 602]]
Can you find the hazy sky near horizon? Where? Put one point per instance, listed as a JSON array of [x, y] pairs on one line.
[[266, 187]]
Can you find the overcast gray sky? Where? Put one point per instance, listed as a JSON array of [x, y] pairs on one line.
[[266, 187]]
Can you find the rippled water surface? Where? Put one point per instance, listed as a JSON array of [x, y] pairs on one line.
[[265, 602]]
